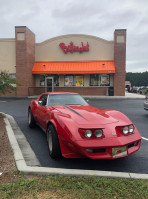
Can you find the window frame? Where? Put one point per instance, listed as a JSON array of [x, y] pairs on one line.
[[73, 80], [102, 85], [99, 80]]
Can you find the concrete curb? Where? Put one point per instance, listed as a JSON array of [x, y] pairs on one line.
[[22, 166], [26, 150]]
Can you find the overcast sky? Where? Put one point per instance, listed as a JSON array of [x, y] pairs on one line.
[[51, 18]]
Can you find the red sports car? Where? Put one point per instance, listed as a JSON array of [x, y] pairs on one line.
[[75, 129]]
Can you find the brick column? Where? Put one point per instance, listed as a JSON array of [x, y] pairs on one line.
[[25, 57], [120, 62]]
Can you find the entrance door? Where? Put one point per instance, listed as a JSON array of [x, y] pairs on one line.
[[49, 84]]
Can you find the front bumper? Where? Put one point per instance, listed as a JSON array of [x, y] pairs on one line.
[[110, 148], [111, 152]]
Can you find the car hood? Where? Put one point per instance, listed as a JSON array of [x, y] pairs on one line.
[[86, 114]]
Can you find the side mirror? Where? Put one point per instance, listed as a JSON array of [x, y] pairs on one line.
[[43, 103], [40, 102]]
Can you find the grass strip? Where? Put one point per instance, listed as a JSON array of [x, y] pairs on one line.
[[75, 187]]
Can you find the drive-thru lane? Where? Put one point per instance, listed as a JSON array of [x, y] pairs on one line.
[[133, 108]]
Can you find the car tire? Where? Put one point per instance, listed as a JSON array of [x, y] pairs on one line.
[[31, 120], [53, 143]]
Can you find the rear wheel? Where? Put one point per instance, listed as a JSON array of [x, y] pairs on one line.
[[53, 143], [31, 121]]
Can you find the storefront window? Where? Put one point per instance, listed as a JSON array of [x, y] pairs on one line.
[[69, 80], [12, 75], [94, 80], [56, 80], [74, 80], [99, 80], [42, 80], [79, 80], [105, 80]]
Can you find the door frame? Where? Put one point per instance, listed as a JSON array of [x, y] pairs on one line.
[[46, 78]]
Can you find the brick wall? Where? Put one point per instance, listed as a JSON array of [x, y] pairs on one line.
[[25, 57], [87, 91], [83, 90], [8, 93], [120, 62]]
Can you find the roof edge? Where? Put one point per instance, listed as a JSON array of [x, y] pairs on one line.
[[70, 35]]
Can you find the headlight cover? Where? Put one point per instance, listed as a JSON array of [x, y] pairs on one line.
[[99, 133], [131, 128], [88, 133], [125, 130], [92, 133]]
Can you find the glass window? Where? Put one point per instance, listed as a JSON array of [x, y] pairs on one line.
[[42, 80], [79, 80], [12, 75], [74, 80], [63, 99], [100, 80], [105, 80], [69, 80], [56, 80], [94, 80]]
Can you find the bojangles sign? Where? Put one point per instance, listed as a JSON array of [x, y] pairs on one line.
[[72, 48]]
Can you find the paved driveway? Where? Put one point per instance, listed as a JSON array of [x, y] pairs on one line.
[[137, 163]]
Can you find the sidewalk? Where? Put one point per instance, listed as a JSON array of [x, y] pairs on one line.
[[127, 96], [134, 95]]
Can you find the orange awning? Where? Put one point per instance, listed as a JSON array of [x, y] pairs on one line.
[[73, 67]]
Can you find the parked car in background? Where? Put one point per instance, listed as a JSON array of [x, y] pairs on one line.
[[75, 129], [142, 90], [146, 103], [134, 89]]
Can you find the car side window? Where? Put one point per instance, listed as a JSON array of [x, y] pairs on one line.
[[43, 100], [51, 101]]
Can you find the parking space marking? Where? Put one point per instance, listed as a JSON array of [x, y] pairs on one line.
[[2, 101], [144, 138]]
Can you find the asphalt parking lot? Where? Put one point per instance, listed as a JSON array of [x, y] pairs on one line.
[[133, 108]]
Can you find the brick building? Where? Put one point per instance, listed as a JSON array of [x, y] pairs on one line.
[[85, 64]]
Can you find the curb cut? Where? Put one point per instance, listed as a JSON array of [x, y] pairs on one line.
[[22, 166]]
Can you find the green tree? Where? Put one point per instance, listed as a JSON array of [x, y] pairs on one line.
[[6, 82], [138, 79]]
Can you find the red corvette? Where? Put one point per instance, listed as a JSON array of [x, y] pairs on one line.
[[75, 129]]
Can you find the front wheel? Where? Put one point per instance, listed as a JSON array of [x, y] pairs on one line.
[[53, 143], [31, 121]]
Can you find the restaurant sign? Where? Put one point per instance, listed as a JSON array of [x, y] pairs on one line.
[[72, 48]]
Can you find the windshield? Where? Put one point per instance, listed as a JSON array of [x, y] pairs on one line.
[[63, 99]]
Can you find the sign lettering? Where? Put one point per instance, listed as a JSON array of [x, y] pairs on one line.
[[72, 48]]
